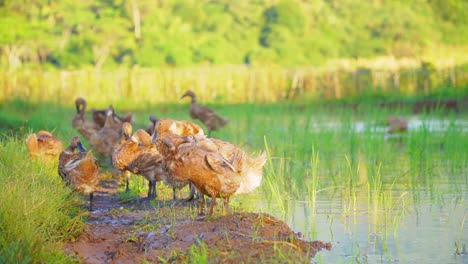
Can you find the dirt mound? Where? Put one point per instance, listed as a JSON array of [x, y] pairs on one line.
[[162, 232]]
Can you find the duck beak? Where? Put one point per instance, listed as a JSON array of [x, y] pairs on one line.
[[81, 148]]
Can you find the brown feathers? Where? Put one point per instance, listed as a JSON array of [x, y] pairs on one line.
[[396, 125], [99, 116], [79, 169], [208, 169], [104, 131], [104, 140], [167, 126], [137, 155], [85, 127], [206, 115], [44, 144]]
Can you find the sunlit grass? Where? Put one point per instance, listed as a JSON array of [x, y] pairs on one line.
[[37, 211], [235, 84]]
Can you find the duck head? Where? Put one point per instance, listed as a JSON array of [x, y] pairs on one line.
[[76, 143], [189, 93]]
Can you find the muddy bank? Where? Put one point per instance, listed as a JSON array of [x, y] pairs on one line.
[[166, 232]]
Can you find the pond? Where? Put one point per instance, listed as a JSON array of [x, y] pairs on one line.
[[378, 198]]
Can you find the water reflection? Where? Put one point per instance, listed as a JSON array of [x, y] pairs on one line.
[[426, 233], [414, 124], [401, 200]]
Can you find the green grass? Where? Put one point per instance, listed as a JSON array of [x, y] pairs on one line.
[[37, 211]]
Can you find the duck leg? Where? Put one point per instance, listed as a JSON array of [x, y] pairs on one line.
[[127, 180], [226, 205], [202, 205], [152, 189], [91, 196], [191, 196], [212, 204], [149, 190], [174, 197]]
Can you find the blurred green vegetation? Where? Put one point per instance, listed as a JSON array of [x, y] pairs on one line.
[[108, 33], [233, 84]]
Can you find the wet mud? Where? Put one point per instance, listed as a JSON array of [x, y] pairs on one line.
[[168, 232]]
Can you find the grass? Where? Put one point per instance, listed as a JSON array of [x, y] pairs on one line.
[[235, 84], [316, 153], [37, 211]]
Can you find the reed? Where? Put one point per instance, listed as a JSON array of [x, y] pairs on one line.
[[234, 83]]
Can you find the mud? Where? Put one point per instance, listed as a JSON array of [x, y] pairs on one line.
[[163, 231]]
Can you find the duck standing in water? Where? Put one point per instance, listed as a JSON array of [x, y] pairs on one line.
[[397, 125]]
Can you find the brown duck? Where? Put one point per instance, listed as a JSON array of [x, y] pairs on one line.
[[209, 171], [396, 125], [105, 139], [85, 127], [117, 161], [206, 115], [99, 116], [79, 169], [44, 144], [166, 127], [153, 119], [135, 154], [248, 165]]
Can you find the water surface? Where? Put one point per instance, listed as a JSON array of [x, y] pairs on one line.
[[400, 200]]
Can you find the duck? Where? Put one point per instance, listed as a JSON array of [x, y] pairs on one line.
[[135, 154], [116, 162], [153, 119], [44, 144], [211, 173], [248, 165], [169, 126], [397, 125], [85, 127], [166, 127], [79, 169], [99, 116], [206, 115], [105, 139]]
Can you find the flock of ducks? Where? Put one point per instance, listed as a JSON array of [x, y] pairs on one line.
[[175, 152]]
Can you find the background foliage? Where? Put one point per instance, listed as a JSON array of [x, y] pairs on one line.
[[106, 33]]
